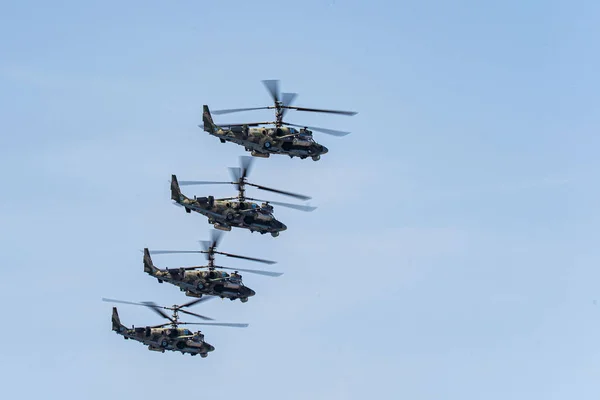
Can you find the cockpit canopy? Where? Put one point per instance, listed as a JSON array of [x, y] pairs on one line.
[[266, 208], [302, 134], [235, 278]]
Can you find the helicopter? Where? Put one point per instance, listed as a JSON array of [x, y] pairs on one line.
[[236, 211], [211, 282], [160, 338], [262, 141]]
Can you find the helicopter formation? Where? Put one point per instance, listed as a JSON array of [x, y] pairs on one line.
[[205, 282]]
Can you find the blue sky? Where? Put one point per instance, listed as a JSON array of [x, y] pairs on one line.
[[454, 252]]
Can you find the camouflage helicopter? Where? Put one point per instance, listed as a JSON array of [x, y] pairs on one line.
[[236, 211], [160, 338], [211, 282], [264, 141]]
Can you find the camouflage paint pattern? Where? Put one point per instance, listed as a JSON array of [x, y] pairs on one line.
[[262, 141], [198, 283], [164, 338], [225, 214]]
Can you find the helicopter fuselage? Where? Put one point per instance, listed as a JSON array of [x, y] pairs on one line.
[[211, 283], [166, 338], [225, 214], [262, 141]]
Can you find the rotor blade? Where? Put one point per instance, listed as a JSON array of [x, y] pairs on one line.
[[193, 302], [254, 271], [247, 258], [159, 326], [272, 86], [175, 251], [205, 245], [232, 325], [324, 130], [186, 183], [297, 196], [287, 99], [156, 308], [236, 173], [216, 237], [246, 165], [321, 110], [233, 110], [246, 124], [122, 302], [295, 206], [196, 315]]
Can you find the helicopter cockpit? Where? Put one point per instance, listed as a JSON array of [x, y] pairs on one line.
[[303, 136], [235, 278], [266, 209]]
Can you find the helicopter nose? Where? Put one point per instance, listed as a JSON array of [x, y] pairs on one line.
[[282, 227], [324, 150], [209, 347], [249, 292]]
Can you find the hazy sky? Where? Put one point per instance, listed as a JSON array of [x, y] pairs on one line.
[[454, 252]]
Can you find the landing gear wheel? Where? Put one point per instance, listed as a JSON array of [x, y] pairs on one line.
[[316, 158], [203, 355], [244, 299], [274, 234]]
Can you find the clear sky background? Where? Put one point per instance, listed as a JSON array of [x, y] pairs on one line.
[[454, 254]]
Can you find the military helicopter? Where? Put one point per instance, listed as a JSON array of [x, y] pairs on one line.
[[211, 282], [159, 338], [264, 141], [236, 211]]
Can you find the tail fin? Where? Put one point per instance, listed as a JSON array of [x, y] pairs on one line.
[[116, 321], [148, 265], [175, 191], [209, 125]]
